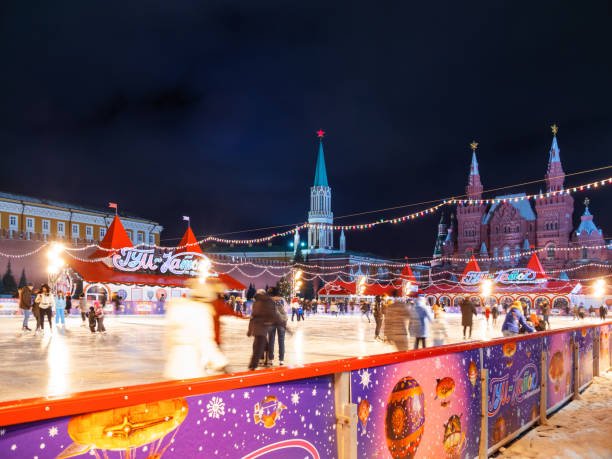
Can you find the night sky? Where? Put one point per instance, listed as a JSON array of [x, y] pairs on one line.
[[209, 108]]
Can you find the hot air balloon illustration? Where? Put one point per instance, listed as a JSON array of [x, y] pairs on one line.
[[122, 429], [444, 388], [363, 411], [405, 418], [268, 411], [556, 370], [584, 332], [535, 411], [509, 349], [472, 373], [453, 436]]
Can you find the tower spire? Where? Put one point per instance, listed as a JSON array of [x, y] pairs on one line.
[[320, 171], [555, 176], [474, 188]]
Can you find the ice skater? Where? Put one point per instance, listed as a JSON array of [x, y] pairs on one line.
[[395, 323], [422, 316], [191, 348], [46, 304], [60, 309], [25, 304], [439, 330], [468, 310], [83, 309]]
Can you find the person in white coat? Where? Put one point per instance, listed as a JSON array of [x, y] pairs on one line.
[[46, 305], [191, 349]]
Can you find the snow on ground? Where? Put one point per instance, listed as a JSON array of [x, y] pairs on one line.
[[581, 429]]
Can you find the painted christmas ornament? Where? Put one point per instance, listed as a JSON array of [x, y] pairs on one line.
[[364, 411], [472, 373], [556, 370], [453, 436], [122, 429], [268, 411], [535, 411], [509, 349], [405, 418], [444, 387], [584, 332]]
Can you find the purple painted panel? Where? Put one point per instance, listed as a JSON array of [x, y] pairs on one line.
[[514, 386], [423, 408], [560, 368], [293, 419], [585, 343]]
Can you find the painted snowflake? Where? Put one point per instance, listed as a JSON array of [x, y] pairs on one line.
[[295, 398], [53, 431], [366, 378], [216, 407]]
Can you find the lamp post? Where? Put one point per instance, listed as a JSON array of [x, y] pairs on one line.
[[296, 282], [599, 291], [487, 287], [55, 264]]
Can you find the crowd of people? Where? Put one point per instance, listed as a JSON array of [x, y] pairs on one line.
[[43, 304]]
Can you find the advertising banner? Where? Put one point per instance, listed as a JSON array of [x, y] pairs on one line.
[[560, 369], [514, 386], [423, 408], [293, 419], [585, 343], [9, 306]]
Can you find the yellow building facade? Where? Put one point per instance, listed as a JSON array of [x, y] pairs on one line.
[[27, 218]]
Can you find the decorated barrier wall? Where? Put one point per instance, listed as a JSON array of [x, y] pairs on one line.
[[458, 401]]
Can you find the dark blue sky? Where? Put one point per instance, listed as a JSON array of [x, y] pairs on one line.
[[210, 109]]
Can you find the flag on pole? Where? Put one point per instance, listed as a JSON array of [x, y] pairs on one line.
[[185, 218], [113, 205]]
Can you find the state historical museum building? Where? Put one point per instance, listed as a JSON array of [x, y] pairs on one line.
[[514, 226]]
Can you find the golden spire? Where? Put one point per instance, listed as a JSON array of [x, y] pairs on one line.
[[554, 128], [474, 145]]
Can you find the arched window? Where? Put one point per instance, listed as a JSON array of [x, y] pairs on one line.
[[495, 252], [457, 301], [517, 250], [506, 251], [585, 254], [550, 251], [556, 225]]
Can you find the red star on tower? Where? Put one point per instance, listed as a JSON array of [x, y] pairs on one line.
[[320, 133]]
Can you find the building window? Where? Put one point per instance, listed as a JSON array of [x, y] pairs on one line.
[[151, 239], [102, 233], [61, 228], [13, 222], [506, 251], [585, 254], [75, 230], [89, 232], [140, 236], [46, 226], [550, 252], [29, 224], [130, 235], [495, 252]]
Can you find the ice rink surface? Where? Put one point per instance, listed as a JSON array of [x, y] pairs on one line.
[[132, 352]]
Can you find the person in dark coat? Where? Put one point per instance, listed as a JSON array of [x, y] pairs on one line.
[[545, 307], [378, 315], [467, 311], [68, 303], [278, 329], [264, 315], [25, 304], [603, 311]]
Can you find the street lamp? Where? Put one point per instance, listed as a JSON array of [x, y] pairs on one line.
[[296, 283], [55, 263], [599, 288], [487, 288]]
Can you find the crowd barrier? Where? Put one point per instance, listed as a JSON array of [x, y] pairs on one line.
[[459, 400]]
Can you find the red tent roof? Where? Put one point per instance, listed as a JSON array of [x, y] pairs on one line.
[[189, 238], [535, 265], [99, 272], [407, 274], [471, 266], [115, 238]]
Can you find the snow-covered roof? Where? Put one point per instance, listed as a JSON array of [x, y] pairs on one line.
[[522, 205], [586, 223]]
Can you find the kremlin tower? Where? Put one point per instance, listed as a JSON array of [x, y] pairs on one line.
[[320, 236]]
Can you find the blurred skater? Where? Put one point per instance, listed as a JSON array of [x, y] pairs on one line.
[[60, 308], [395, 323], [439, 330], [263, 317], [277, 329], [191, 343], [25, 304], [83, 309], [423, 316], [46, 305], [99, 315]]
